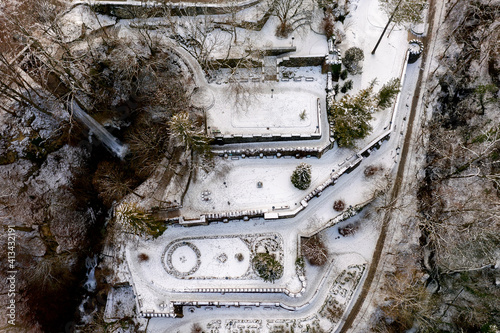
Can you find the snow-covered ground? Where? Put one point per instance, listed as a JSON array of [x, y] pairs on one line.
[[233, 183], [271, 109], [198, 264]]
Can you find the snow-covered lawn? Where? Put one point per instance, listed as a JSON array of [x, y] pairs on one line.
[[272, 109], [217, 258]]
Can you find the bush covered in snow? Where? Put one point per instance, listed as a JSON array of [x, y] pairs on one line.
[[349, 229], [301, 176], [267, 267], [352, 60], [371, 170]]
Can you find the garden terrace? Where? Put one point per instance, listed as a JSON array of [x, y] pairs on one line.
[[271, 114]]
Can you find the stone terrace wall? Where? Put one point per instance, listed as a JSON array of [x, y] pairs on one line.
[[132, 9], [317, 60]]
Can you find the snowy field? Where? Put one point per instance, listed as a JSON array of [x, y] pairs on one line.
[[233, 183], [272, 110], [216, 258], [323, 287]]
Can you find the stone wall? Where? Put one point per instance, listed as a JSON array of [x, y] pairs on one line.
[[133, 9]]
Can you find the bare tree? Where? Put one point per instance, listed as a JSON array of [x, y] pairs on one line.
[[196, 328], [315, 250], [112, 182], [408, 12], [401, 12], [407, 302], [148, 144], [201, 37], [291, 14]]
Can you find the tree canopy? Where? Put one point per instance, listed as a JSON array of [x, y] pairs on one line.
[[351, 116], [137, 221], [183, 128], [352, 60], [301, 176], [409, 11], [267, 267], [387, 93]]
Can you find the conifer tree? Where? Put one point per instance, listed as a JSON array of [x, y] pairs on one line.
[[352, 60], [301, 176], [267, 267], [351, 116], [387, 93], [137, 221]]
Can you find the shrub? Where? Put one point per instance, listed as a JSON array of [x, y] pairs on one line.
[[268, 268], [352, 58], [143, 257], [371, 170], [336, 68], [346, 87], [339, 205], [343, 74], [196, 328], [334, 311], [301, 176], [239, 256], [349, 229], [314, 249]]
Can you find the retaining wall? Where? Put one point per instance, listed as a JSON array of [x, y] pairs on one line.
[[315, 60], [132, 9]]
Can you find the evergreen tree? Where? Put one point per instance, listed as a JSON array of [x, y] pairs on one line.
[[352, 58], [351, 116], [387, 93], [137, 221], [346, 87], [301, 176], [343, 74], [183, 128], [267, 267]]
